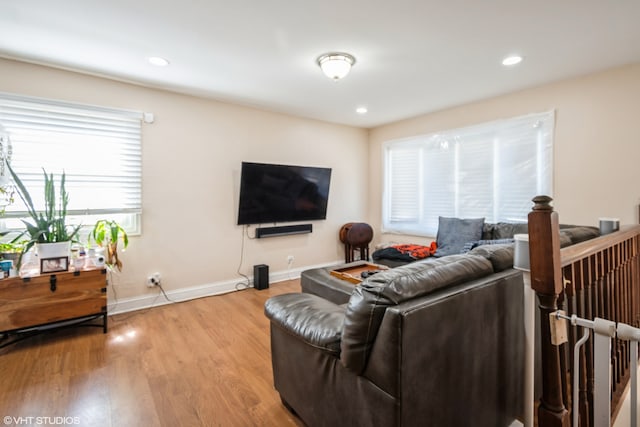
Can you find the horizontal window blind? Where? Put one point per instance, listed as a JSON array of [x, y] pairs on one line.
[[99, 150], [490, 171], [404, 184]]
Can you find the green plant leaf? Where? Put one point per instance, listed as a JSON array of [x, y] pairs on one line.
[[23, 193], [49, 225]]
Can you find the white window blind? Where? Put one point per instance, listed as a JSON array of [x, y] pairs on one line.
[[404, 183], [99, 149], [491, 170]]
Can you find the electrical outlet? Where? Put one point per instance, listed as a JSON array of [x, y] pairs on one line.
[[290, 259], [154, 280]]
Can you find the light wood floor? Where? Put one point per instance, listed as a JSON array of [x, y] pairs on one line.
[[204, 362]]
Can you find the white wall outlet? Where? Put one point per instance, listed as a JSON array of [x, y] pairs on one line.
[[154, 280], [290, 259]]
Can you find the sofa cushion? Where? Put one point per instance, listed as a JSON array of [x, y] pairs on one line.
[[453, 233], [500, 255], [317, 321], [580, 233], [372, 296], [471, 245]]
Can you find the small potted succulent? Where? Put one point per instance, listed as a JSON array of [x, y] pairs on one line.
[[11, 250]]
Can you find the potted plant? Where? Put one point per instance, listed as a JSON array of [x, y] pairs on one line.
[[48, 226], [11, 250], [106, 233]]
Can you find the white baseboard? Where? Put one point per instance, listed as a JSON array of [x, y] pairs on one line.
[[184, 294]]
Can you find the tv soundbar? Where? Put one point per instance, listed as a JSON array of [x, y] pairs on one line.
[[283, 230]]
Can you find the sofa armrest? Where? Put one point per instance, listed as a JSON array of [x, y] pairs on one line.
[[314, 320]]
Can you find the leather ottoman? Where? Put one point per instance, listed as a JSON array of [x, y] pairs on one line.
[[320, 282]]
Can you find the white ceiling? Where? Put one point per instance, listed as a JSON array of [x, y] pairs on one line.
[[413, 56]]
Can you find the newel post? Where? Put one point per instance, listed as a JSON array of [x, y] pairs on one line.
[[546, 281]]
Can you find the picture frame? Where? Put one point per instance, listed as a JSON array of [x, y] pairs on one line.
[[54, 265]]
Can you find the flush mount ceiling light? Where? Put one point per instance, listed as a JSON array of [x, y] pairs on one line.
[[361, 110], [158, 61], [512, 60], [336, 65]]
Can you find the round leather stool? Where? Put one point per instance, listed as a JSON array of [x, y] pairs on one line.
[[356, 236]]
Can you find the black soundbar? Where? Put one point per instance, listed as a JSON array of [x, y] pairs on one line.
[[283, 230]]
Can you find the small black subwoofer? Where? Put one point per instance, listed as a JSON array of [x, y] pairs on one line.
[[261, 276]]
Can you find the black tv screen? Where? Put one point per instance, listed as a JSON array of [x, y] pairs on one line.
[[282, 193]]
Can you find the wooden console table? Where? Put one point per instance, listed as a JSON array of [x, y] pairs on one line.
[[34, 304]]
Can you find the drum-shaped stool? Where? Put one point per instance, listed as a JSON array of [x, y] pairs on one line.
[[356, 236]]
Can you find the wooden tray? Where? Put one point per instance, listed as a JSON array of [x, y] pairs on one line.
[[353, 273]]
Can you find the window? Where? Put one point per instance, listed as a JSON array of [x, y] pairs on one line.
[[492, 170], [99, 150]]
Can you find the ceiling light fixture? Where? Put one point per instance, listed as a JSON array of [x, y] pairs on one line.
[[158, 61], [336, 65], [512, 60], [361, 110]]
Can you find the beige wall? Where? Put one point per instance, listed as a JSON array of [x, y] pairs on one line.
[[192, 155], [191, 168], [596, 151]]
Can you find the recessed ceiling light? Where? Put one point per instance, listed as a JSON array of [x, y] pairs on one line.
[[158, 61], [361, 110], [512, 60]]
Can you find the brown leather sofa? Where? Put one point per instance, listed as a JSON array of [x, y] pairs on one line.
[[432, 343]]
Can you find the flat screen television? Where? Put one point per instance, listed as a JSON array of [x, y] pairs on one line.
[[272, 193]]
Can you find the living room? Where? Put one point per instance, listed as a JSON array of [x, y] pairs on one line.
[[193, 150], [594, 139]]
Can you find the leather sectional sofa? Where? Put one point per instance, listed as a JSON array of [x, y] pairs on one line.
[[437, 342]]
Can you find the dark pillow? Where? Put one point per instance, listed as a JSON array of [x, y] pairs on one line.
[[506, 230], [453, 233], [487, 231]]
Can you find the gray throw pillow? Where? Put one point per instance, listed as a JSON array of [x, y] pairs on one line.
[[453, 233]]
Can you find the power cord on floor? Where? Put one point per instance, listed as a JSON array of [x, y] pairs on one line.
[[241, 286], [165, 294], [135, 312], [123, 317]]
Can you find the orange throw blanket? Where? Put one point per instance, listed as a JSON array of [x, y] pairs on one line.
[[405, 252], [417, 251]]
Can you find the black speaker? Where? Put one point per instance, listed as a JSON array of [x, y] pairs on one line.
[[261, 276], [283, 230]]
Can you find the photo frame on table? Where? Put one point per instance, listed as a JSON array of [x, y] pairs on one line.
[[54, 265]]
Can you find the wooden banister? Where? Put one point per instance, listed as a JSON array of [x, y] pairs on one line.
[[596, 278], [546, 281], [579, 251]]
